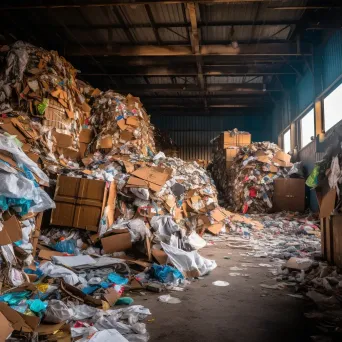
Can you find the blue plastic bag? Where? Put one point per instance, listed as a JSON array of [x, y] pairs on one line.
[[166, 273], [37, 306], [117, 279]]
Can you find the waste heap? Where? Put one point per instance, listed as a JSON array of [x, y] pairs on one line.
[[121, 125], [118, 220], [43, 103], [225, 149], [255, 168]]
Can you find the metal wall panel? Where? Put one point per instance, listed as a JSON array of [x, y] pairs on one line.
[[305, 91], [192, 134], [332, 59]]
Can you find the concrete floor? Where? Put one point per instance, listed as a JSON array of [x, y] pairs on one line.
[[243, 311]]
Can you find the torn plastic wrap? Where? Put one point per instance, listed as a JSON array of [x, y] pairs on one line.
[[191, 264]]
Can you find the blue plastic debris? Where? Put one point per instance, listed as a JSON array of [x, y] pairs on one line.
[[117, 279], [166, 273], [37, 306]]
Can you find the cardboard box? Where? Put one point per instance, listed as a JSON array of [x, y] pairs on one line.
[[86, 136], [231, 154], [239, 140], [155, 177], [289, 194], [79, 202], [118, 242], [6, 328]]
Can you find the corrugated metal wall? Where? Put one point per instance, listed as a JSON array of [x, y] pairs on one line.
[[332, 59], [328, 62], [305, 91], [192, 134]]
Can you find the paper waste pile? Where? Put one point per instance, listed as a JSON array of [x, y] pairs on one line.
[[43, 104], [121, 125], [124, 218], [249, 183]]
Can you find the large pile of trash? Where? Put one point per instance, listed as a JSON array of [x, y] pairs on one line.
[[123, 217], [43, 104], [121, 125], [255, 168]]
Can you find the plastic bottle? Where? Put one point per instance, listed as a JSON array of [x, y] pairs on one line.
[[65, 246]]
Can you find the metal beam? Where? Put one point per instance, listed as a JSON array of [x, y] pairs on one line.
[[85, 3], [230, 87], [187, 25], [271, 49], [153, 24], [195, 45], [128, 33], [291, 8]]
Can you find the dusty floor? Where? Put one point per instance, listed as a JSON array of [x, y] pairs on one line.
[[243, 311]]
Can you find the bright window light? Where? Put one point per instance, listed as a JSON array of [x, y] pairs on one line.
[[332, 108], [287, 141], [307, 125]]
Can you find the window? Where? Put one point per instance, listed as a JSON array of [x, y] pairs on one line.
[[332, 108], [287, 141], [307, 128]]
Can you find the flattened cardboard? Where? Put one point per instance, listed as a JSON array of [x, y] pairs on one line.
[[218, 215], [48, 329], [19, 321], [328, 204], [126, 136], [10, 129], [122, 125], [76, 293], [11, 231], [6, 158], [86, 136], [264, 159], [106, 142], [47, 254], [151, 175], [63, 140], [283, 157], [133, 121], [215, 228], [6, 328], [160, 256], [128, 166], [116, 243], [69, 153]]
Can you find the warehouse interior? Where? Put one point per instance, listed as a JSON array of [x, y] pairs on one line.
[[206, 73]]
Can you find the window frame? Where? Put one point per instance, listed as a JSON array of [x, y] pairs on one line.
[[323, 98], [288, 130], [312, 109]]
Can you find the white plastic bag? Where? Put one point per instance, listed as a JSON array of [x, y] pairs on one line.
[[195, 241], [55, 271], [57, 312], [191, 264]]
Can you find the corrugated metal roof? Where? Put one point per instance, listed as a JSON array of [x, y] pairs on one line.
[[173, 34], [244, 33], [232, 79], [171, 13]]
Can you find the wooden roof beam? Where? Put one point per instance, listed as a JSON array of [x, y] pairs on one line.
[[270, 49]]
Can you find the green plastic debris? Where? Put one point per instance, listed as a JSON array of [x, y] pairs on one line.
[[41, 107], [124, 301], [312, 180]]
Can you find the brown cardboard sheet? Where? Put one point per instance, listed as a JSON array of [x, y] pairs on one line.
[[116, 243], [328, 204], [160, 256], [86, 136], [11, 231], [215, 228], [5, 328]]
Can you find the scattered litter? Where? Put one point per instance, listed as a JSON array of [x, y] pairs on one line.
[[220, 283], [168, 299]]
